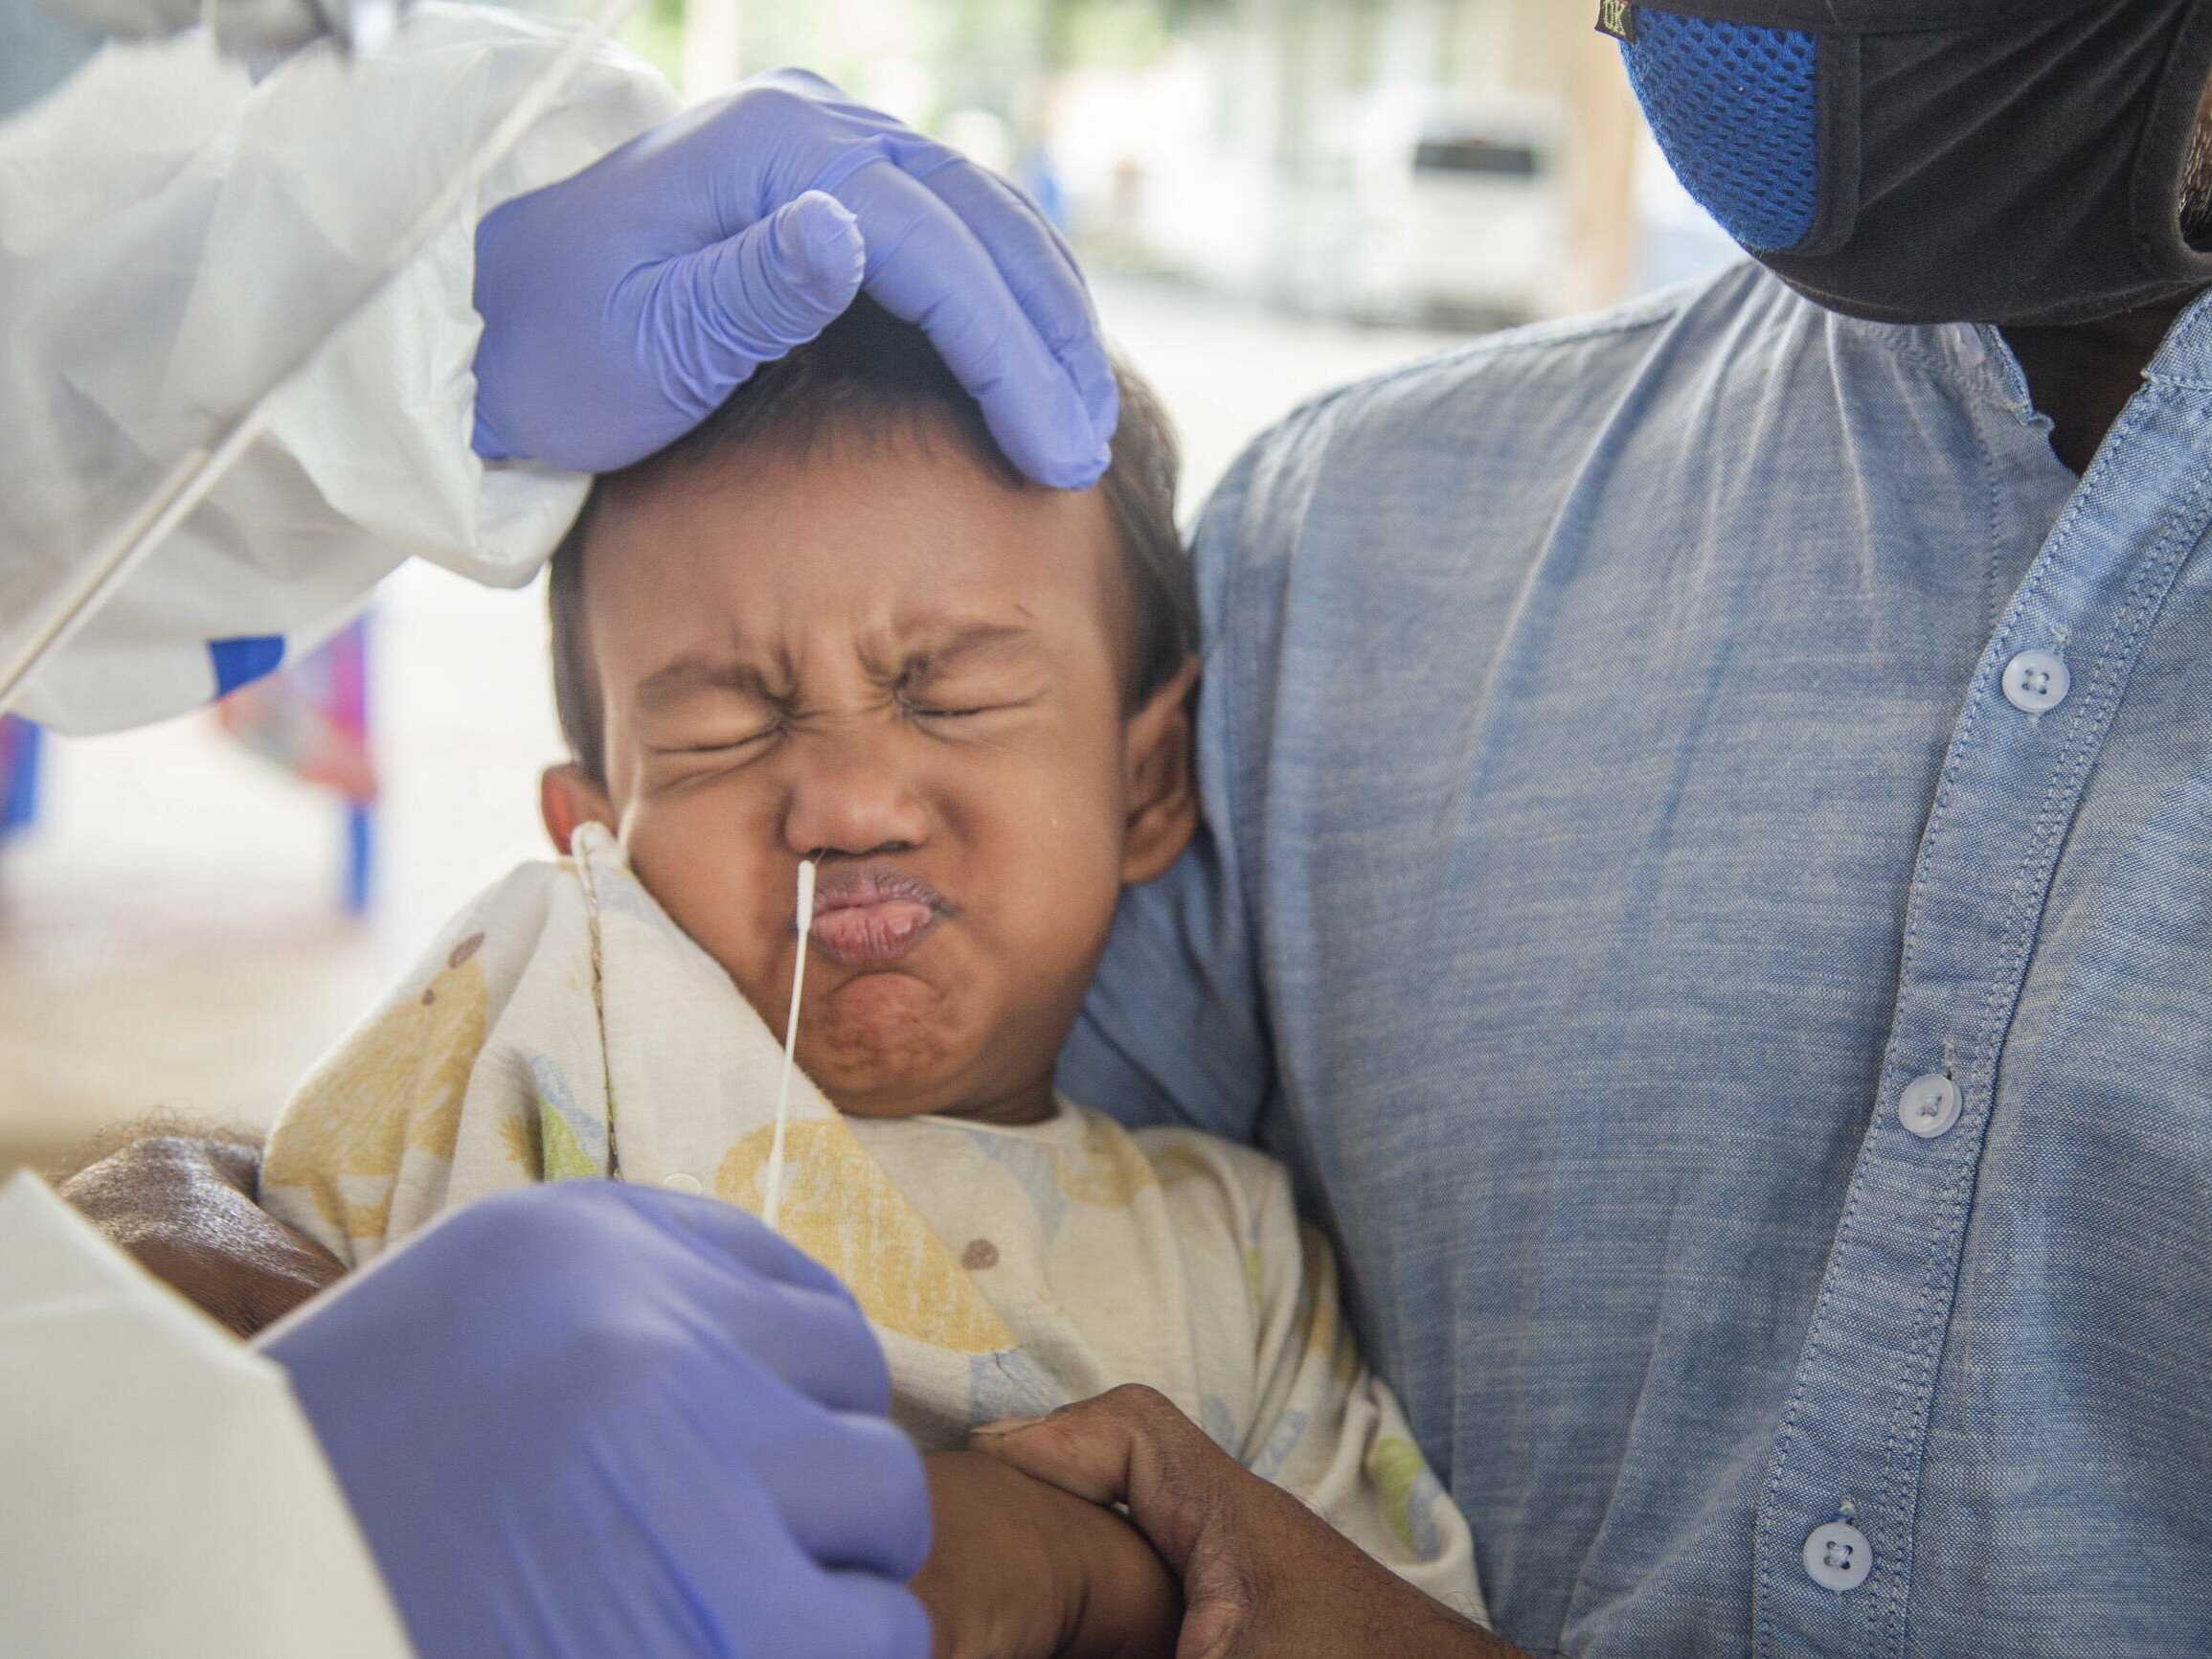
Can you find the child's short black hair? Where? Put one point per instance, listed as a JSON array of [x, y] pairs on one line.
[[870, 372]]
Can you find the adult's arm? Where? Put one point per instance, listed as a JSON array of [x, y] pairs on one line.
[[1174, 1030], [161, 272], [1263, 1577]]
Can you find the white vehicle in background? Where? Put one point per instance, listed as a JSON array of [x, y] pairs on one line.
[[1416, 210]]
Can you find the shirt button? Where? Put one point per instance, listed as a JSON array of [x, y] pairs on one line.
[[680, 1182], [2035, 682], [1837, 1556], [1929, 1105]]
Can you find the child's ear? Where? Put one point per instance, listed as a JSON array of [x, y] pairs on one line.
[[1162, 781], [566, 797]]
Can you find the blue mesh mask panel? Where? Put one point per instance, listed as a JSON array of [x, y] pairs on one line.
[[1737, 111]]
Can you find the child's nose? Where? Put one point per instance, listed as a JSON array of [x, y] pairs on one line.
[[851, 796]]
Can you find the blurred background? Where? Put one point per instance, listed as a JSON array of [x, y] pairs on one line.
[[1273, 197]]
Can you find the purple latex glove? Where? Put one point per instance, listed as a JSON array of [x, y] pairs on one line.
[[622, 305], [589, 1419]]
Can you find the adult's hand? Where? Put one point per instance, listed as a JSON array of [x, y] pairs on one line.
[[183, 1205], [1263, 1577], [621, 306], [589, 1419]]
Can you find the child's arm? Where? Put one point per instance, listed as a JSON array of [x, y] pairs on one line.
[[1022, 1570], [181, 1200]]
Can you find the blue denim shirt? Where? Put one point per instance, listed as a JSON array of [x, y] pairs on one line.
[[1749, 1033]]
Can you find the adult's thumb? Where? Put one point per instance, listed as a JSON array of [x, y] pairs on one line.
[[718, 314], [1129, 1445]]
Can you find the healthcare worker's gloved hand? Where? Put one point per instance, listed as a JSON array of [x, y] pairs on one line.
[[623, 305], [589, 1419]]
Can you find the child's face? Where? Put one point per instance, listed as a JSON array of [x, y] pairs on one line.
[[884, 653]]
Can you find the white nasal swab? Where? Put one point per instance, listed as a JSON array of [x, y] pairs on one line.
[[773, 1208]]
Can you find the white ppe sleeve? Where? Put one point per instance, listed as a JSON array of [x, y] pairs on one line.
[[161, 1492], [173, 235]]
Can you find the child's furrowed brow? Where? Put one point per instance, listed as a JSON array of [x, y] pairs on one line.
[[985, 642], [926, 655], [689, 676]]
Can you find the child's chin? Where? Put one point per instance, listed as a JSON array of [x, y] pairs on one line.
[[881, 1050]]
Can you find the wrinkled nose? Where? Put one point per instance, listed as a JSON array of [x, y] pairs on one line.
[[851, 796]]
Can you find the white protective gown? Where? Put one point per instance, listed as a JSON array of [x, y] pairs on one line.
[[173, 235], [161, 1492]]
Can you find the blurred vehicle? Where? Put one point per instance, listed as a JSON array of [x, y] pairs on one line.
[[1442, 213]]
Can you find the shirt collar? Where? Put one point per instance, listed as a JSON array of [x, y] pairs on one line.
[[2186, 355]]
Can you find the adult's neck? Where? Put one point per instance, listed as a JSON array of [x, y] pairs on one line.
[[2083, 374]]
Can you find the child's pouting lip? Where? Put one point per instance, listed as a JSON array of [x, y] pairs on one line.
[[866, 914]]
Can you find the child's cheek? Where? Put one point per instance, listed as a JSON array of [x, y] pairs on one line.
[[712, 887]]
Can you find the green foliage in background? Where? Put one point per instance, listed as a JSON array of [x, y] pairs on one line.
[[981, 54], [1110, 34], [656, 33]]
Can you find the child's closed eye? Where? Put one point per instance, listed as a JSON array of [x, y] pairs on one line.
[[712, 744], [947, 697], [968, 714], [932, 711]]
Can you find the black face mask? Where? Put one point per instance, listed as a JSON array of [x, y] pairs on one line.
[[1991, 161]]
